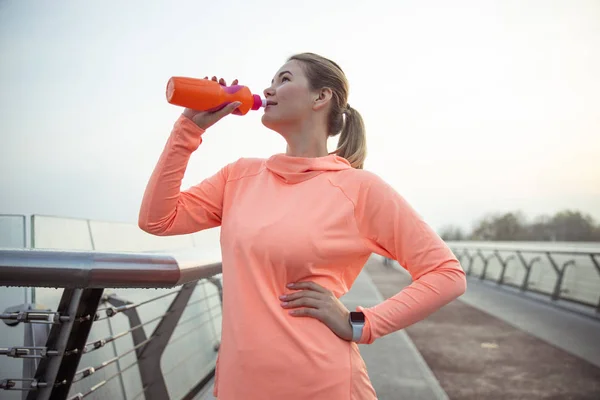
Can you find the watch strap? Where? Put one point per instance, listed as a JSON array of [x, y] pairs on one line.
[[357, 330]]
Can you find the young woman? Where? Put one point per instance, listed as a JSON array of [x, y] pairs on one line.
[[296, 230]]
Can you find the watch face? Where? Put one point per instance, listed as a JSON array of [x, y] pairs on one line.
[[357, 317]]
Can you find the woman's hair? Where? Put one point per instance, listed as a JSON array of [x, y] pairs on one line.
[[344, 120]]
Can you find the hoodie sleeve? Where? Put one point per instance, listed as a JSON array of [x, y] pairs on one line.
[[166, 210], [392, 228]]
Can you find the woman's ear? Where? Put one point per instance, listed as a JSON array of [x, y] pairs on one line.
[[322, 98]]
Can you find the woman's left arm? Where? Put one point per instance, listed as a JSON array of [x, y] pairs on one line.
[[392, 228]]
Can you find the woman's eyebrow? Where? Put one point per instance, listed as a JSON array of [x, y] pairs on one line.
[[281, 73]]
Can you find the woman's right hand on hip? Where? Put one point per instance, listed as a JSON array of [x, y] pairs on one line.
[[205, 119]]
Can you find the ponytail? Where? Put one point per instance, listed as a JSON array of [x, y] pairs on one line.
[[352, 144]]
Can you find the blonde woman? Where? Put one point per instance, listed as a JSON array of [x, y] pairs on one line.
[[296, 230]]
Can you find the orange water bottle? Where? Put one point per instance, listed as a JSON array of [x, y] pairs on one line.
[[208, 95]]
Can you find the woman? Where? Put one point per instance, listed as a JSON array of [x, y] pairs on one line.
[[296, 230]]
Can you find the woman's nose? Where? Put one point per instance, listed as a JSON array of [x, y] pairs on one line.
[[269, 92]]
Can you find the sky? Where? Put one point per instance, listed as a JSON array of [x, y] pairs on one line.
[[471, 107]]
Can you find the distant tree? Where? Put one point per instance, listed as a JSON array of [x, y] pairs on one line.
[[565, 225], [573, 226], [483, 229], [508, 226], [540, 229], [596, 234], [451, 232]]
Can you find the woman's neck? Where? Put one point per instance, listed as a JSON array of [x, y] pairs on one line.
[[307, 140]]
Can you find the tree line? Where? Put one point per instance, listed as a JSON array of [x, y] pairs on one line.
[[564, 226]]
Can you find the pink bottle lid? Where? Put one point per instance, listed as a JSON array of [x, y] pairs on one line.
[[258, 102]]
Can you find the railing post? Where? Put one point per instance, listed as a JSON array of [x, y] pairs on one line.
[[597, 265], [527, 269], [89, 226], [504, 264], [559, 275], [217, 283], [32, 245], [470, 258], [54, 375], [149, 357], [138, 335], [24, 231], [485, 260], [559, 280], [32, 231]]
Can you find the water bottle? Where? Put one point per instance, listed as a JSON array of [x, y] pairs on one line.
[[208, 95]]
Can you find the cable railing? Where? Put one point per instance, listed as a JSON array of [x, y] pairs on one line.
[[562, 275], [61, 337]]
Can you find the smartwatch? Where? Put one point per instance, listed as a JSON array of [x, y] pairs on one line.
[[357, 322]]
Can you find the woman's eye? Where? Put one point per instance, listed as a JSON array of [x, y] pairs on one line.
[[285, 78]]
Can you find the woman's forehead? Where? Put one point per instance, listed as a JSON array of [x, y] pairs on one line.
[[292, 66]]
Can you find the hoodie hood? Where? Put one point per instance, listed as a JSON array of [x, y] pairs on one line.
[[298, 169]]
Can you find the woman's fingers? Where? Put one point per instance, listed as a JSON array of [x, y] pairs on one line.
[[307, 312], [303, 302], [222, 81], [300, 294], [308, 285], [227, 110], [315, 301]]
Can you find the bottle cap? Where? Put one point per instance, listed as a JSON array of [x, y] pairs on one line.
[[258, 102]]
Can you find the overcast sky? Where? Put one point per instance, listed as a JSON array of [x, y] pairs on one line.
[[470, 107]]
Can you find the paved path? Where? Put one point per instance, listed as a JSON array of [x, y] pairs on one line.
[[574, 333], [493, 344]]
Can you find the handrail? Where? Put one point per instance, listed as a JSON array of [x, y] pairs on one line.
[[525, 249], [463, 249], [84, 275], [92, 269]]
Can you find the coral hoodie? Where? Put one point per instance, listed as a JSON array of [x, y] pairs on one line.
[[289, 219]]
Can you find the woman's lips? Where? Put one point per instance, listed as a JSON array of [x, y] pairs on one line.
[[270, 104]]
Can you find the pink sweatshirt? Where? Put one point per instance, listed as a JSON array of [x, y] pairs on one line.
[[289, 219]]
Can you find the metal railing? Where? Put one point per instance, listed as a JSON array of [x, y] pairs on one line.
[[541, 270], [56, 340]]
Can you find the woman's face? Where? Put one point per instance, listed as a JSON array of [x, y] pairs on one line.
[[290, 91]]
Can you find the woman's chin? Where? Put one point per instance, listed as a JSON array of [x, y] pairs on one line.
[[269, 122], [276, 123]]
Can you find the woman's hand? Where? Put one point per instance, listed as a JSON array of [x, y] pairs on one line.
[[320, 303], [206, 119]]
